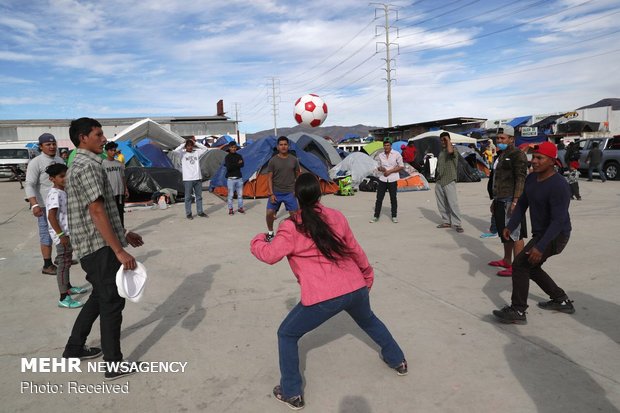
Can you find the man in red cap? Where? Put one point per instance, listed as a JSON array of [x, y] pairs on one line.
[[547, 195]]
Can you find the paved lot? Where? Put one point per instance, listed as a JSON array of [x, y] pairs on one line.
[[211, 304]]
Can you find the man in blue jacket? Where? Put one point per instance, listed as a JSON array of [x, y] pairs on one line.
[[547, 195]]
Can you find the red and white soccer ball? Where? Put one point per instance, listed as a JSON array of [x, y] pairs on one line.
[[310, 110]]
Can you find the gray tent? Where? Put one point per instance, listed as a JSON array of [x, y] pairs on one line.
[[316, 145]]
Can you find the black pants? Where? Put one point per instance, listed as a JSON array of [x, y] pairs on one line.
[[574, 187], [523, 272], [120, 204], [104, 302], [391, 187]]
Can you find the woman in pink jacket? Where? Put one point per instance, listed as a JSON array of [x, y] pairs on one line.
[[334, 274]]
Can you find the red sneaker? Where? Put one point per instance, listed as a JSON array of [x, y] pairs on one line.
[[231, 212], [499, 263], [505, 273]]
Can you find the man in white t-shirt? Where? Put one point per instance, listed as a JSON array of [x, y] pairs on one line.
[[192, 176], [37, 186], [390, 163]]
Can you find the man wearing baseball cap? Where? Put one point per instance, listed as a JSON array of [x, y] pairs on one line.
[[37, 186], [547, 195]]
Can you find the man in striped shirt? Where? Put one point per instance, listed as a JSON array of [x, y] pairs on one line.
[[99, 240]]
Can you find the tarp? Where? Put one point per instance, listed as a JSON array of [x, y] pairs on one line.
[[530, 139], [549, 120], [143, 182], [454, 137], [578, 126], [317, 145], [222, 140], [148, 128], [255, 159], [519, 121]]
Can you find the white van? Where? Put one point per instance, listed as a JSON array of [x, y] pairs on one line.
[[14, 158]]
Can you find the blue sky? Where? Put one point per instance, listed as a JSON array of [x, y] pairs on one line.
[[490, 59]]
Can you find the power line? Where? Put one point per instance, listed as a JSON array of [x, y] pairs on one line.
[[469, 18], [522, 71], [324, 85], [442, 14], [432, 10], [303, 84], [336, 51], [356, 80], [496, 31], [563, 30]]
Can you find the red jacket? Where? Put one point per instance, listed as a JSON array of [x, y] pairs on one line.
[[409, 153]]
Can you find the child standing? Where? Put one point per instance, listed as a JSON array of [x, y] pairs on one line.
[[573, 179], [56, 204]]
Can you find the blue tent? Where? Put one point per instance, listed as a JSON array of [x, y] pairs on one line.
[[154, 154], [257, 155], [223, 140], [132, 155]]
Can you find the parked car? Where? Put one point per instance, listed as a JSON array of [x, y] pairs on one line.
[[611, 155], [14, 159]]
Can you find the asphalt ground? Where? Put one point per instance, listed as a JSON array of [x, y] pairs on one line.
[[209, 303]]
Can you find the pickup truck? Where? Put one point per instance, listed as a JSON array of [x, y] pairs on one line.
[[611, 155]]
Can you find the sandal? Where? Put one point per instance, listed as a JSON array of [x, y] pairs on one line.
[[295, 402], [444, 226]]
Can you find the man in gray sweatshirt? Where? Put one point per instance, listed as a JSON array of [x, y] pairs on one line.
[[37, 187]]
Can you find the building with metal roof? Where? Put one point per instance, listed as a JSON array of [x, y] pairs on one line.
[[404, 132]]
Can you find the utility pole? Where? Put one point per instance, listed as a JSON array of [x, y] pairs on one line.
[[237, 122], [387, 8], [274, 101]]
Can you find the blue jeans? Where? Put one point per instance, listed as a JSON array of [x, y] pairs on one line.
[[598, 168], [303, 319], [235, 184], [196, 188]]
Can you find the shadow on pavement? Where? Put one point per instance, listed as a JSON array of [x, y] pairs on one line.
[[354, 404], [173, 310]]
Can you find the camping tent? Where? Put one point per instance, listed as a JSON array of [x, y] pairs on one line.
[[154, 154], [432, 145], [256, 157], [372, 147], [474, 159], [143, 182], [211, 162], [146, 128], [357, 164], [317, 145]]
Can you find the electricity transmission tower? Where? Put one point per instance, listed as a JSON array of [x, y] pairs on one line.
[[275, 100], [387, 8]]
